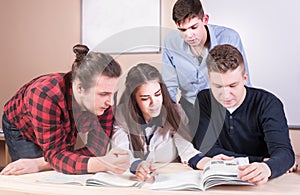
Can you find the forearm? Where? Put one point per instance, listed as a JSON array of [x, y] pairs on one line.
[[280, 163], [42, 164], [67, 162], [95, 164]]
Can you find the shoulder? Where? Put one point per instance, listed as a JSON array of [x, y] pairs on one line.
[[204, 94], [46, 82], [173, 40], [51, 85], [222, 30], [262, 95]]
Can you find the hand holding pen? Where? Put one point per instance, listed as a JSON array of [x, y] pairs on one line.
[[145, 172]]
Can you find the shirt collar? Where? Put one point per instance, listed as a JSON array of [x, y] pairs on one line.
[[212, 36]]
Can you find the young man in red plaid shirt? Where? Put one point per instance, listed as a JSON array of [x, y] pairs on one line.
[[42, 119]]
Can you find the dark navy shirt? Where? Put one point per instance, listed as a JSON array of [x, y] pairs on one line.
[[257, 129]]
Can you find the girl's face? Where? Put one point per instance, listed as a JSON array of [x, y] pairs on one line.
[[149, 99]]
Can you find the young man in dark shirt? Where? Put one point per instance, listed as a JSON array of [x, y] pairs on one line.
[[237, 120]]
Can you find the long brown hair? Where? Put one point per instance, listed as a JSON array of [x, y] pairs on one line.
[[138, 75]]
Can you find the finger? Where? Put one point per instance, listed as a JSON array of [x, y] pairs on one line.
[[8, 169], [141, 175], [152, 169], [224, 157], [11, 171], [120, 152], [258, 178], [243, 167], [21, 172], [245, 171], [262, 181], [248, 174]]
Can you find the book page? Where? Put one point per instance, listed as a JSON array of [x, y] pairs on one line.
[[61, 178], [187, 180], [126, 179], [220, 172], [226, 167]]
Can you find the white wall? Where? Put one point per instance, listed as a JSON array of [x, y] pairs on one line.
[[270, 31]]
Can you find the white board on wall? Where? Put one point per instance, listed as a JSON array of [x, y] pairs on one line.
[[270, 32], [121, 26]]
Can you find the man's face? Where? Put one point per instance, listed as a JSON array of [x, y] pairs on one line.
[[193, 31], [100, 96], [228, 88]]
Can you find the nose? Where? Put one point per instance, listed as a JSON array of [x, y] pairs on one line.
[[226, 92], [189, 33], [151, 100], [110, 100]]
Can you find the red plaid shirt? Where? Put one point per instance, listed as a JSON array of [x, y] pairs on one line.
[[46, 114]]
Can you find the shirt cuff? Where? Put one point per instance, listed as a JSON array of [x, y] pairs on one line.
[[134, 166], [194, 160]]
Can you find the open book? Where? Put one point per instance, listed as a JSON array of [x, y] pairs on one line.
[[215, 172], [103, 179]]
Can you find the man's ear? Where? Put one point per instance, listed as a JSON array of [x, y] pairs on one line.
[[205, 19], [245, 78], [79, 88]]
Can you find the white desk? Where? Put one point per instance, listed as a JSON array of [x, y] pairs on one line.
[[26, 184]]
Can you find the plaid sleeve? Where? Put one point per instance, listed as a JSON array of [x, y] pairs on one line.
[[99, 132], [56, 142]]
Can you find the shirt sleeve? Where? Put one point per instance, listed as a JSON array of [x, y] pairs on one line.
[[185, 148], [99, 130], [276, 133], [169, 73], [55, 141]]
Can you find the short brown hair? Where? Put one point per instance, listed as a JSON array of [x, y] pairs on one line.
[[223, 58], [187, 9]]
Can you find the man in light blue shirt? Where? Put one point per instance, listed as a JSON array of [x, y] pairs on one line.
[[185, 51]]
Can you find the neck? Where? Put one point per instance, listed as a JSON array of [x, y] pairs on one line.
[[243, 98], [200, 50]]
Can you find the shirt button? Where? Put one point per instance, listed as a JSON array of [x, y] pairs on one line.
[[231, 127], [230, 117]]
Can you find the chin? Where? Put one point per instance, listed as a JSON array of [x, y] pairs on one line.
[[99, 113], [155, 114]]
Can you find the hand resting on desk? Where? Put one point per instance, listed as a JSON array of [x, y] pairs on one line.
[[25, 166]]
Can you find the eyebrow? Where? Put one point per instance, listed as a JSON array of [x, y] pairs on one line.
[[216, 84], [183, 29], [149, 95]]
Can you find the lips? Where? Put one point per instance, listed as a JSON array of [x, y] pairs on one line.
[[154, 109], [191, 41]]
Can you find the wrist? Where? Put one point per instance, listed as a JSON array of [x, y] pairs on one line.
[[96, 164], [202, 162], [42, 165]]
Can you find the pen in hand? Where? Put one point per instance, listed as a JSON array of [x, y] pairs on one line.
[[150, 179]]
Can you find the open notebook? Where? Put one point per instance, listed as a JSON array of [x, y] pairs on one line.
[[215, 172], [103, 179]]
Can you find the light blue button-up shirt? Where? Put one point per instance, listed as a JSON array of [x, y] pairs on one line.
[[182, 70]]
